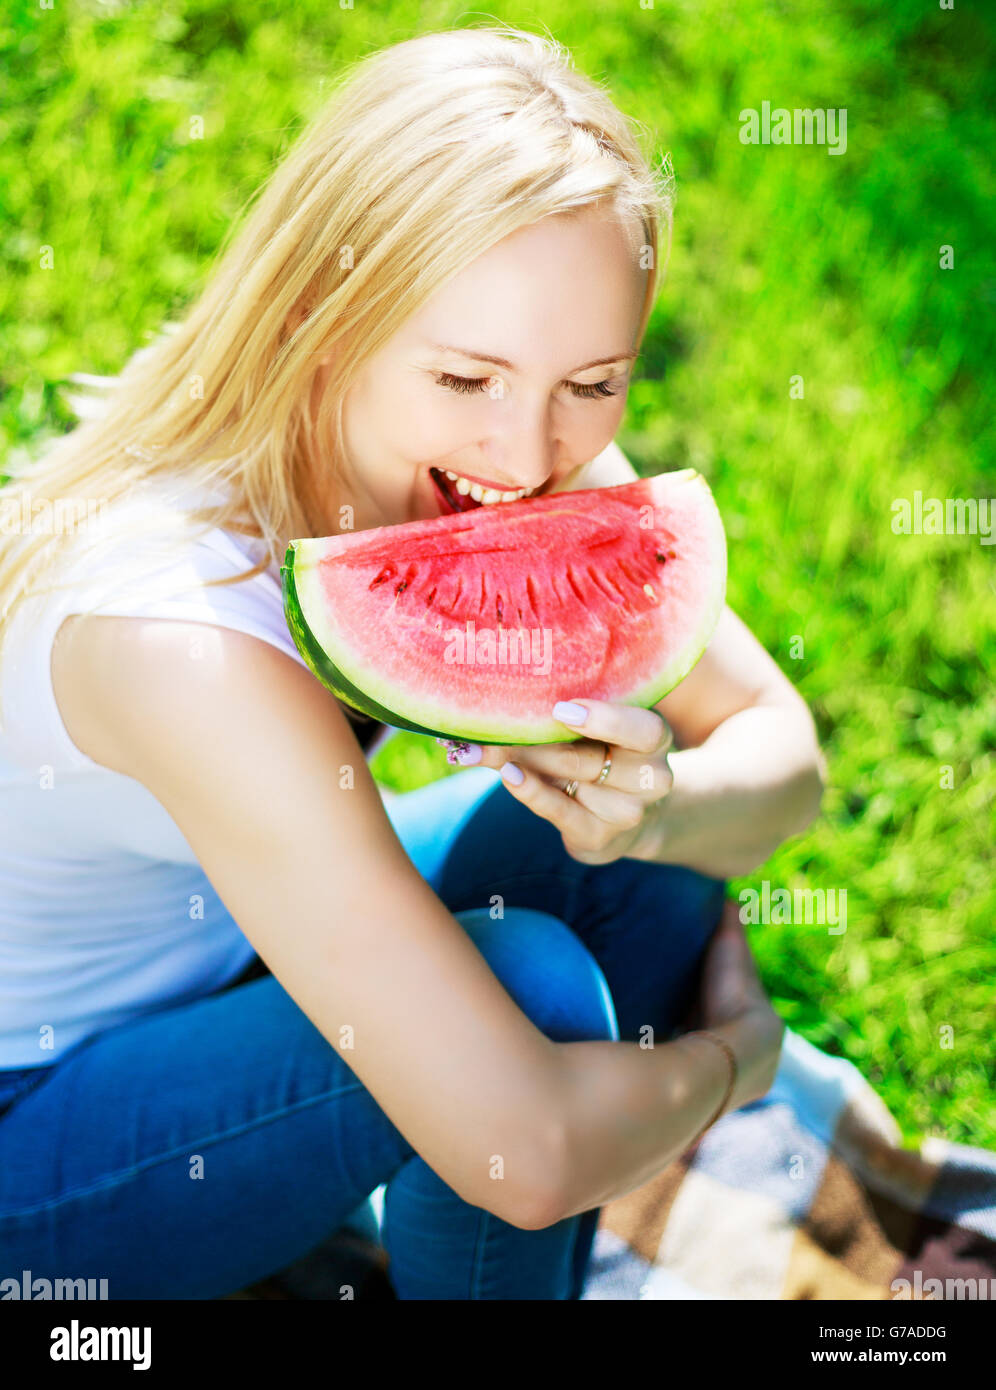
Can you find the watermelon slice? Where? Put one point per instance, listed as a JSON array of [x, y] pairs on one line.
[[472, 625]]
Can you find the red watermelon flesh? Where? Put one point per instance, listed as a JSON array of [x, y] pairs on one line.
[[473, 625]]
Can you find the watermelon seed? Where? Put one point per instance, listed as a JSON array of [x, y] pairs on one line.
[[410, 574], [430, 598], [662, 558], [648, 589], [498, 607], [385, 574]]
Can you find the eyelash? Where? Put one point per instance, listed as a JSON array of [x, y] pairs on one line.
[[470, 385]]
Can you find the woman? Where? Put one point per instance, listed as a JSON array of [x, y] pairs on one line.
[[450, 274]]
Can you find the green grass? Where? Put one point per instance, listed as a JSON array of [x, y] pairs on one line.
[[786, 261]]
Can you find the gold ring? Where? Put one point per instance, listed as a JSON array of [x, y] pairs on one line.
[[605, 766], [571, 789]]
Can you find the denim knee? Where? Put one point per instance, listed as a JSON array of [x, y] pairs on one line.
[[547, 970]]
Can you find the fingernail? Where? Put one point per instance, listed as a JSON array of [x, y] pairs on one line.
[[468, 754], [569, 712], [511, 773]]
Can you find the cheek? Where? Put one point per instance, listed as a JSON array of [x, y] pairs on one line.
[[430, 422], [592, 425], [393, 415]]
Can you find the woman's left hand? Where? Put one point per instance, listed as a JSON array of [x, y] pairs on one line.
[[620, 769]]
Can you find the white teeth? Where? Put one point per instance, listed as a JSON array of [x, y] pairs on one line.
[[486, 496], [492, 496]]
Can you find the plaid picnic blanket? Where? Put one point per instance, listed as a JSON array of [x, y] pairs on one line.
[[805, 1194]]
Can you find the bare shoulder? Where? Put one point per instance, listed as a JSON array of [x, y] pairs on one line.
[[178, 704], [85, 692], [115, 677]]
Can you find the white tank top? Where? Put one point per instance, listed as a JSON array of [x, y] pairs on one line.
[[105, 913]]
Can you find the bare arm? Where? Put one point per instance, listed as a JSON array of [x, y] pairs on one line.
[[748, 773], [245, 750]]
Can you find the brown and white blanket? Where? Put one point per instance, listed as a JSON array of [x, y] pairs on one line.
[[805, 1194]]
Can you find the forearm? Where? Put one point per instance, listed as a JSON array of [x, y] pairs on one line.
[[754, 782], [629, 1111]]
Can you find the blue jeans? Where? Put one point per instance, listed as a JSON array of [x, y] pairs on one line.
[[204, 1146]]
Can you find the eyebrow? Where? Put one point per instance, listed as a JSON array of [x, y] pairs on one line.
[[503, 362]]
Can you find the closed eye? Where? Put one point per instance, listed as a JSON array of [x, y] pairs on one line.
[[468, 385]]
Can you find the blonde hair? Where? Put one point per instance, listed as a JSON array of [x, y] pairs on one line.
[[426, 154]]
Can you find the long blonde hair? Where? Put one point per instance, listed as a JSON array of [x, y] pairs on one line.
[[426, 154]]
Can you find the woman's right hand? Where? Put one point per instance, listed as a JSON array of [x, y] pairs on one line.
[[732, 997]]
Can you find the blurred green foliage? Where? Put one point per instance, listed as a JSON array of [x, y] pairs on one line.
[[787, 261]]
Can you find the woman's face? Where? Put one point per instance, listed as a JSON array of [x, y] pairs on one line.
[[511, 376]]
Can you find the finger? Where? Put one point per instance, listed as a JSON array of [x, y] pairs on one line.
[[563, 762], [626, 726], [574, 821], [581, 761], [648, 777], [465, 754], [615, 808]]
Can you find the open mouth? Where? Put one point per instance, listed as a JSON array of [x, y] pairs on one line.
[[451, 499]]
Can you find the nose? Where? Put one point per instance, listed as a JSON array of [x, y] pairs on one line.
[[526, 451]]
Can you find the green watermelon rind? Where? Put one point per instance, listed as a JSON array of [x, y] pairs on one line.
[[318, 661], [302, 593], [336, 680]]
